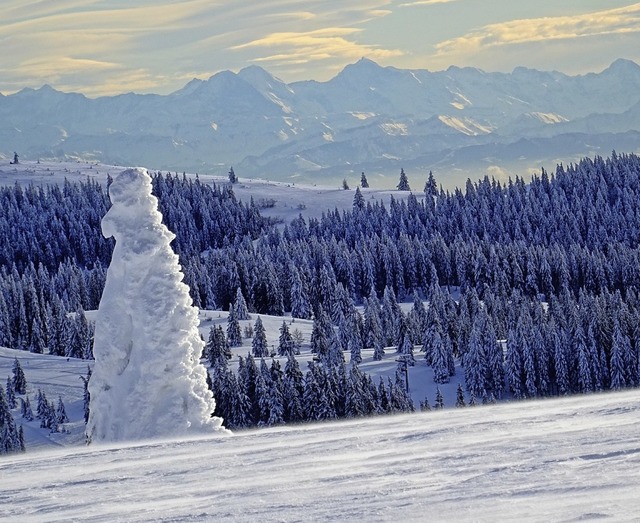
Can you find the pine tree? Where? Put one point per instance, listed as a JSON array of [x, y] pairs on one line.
[[259, 347], [19, 379], [240, 306], [430, 187], [439, 404], [403, 184], [363, 181], [61, 412], [285, 341], [424, 405], [9, 435], [620, 347], [439, 361], [405, 346], [217, 348], [372, 329], [234, 334], [232, 176], [25, 409], [460, 397], [11, 394], [358, 200], [474, 359], [300, 306]]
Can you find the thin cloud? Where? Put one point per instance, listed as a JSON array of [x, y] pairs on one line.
[[322, 44], [426, 2], [601, 23]]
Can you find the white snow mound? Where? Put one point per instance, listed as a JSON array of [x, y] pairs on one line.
[[148, 381]]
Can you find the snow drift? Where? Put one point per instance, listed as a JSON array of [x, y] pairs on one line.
[[147, 380]]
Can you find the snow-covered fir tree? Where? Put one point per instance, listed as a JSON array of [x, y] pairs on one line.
[[259, 346]]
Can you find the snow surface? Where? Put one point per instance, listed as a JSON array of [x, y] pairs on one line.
[[147, 379], [568, 459]]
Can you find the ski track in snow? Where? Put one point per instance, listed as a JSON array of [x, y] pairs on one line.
[[554, 460]]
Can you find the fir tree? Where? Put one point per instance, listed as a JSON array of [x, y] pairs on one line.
[[25, 409], [439, 404], [460, 397], [403, 184], [19, 379], [240, 306], [217, 348], [234, 334], [430, 187], [11, 394], [285, 341], [363, 181], [259, 347], [61, 412], [424, 405], [358, 200]]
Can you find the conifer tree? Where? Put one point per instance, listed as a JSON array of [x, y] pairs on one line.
[[217, 348], [430, 187], [234, 334], [460, 397], [240, 306], [363, 181], [25, 409], [11, 394], [19, 379], [285, 341], [439, 404], [61, 412], [358, 200], [259, 347], [9, 436], [403, 184]]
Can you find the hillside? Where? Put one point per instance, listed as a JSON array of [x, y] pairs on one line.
[[572, 459], [459, 123], [511, 266]]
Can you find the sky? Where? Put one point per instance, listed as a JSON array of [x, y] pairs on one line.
[[108, 47]]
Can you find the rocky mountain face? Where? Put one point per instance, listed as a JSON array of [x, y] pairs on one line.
[[459, 123]]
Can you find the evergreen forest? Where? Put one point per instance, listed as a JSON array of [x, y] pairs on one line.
[[532, 287]]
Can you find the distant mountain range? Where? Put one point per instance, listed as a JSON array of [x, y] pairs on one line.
[[460, 123]]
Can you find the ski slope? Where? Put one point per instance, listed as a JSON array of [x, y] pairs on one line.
[[573, 459]]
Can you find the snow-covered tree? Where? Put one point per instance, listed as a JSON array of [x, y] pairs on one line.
[[147, 380], [19, 379], [240, 306], [403, 184], [286, 346], [259, 346], [234, 334]]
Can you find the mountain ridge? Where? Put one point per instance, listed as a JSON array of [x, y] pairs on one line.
[[367, 117]]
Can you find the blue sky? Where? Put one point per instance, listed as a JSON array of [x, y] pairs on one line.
[[106, 47]]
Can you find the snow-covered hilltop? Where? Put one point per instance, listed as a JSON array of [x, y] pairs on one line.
[[459, 123]]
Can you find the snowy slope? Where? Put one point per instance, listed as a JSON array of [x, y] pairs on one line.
[[570, 459]]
